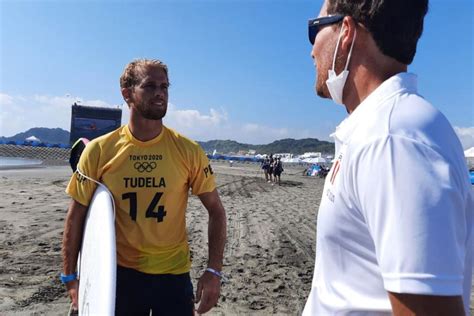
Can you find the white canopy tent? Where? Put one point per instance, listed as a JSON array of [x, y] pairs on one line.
[[315, 160], [290, 160], [469, 153], [32, 139]]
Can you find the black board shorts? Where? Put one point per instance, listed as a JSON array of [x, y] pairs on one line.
[[164, 294]]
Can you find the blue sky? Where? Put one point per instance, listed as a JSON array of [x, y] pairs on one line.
[[239, 69]]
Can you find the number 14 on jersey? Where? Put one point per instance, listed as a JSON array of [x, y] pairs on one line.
[[159, 214]]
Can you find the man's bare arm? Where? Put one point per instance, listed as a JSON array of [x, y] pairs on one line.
[[429, 305], [209, 284], [72, 240], [216, 229]]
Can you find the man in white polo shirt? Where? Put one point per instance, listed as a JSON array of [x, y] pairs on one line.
[[394, 228]]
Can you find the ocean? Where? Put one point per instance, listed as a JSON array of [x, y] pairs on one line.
[[13, 161]]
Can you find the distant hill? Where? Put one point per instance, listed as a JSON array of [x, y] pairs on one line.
[[46, 135], [287, 145]]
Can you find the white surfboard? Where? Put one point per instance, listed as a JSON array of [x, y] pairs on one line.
[[98, 261]]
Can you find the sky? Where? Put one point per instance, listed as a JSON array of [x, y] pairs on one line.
[[238, 69]]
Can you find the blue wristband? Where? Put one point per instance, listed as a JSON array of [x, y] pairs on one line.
[[68, 278], [218, 274]]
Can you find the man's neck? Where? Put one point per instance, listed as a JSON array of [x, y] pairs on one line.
[[144, 129], [365, 79]]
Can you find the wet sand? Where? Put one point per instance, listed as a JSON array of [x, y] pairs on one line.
[[269, 256]]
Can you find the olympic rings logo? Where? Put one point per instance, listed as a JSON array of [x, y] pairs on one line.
[[145, 166]]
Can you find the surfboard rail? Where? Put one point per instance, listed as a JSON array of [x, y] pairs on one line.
[[98, 258]]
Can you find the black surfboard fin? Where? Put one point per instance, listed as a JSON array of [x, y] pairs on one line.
[[76, 151]]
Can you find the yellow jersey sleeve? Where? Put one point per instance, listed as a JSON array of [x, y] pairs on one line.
[[80, 188], [202, 177]]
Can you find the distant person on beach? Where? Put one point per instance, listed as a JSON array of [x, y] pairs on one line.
[[394, 227], [270, 169], [152, 244], [265, 166], [277, 170]]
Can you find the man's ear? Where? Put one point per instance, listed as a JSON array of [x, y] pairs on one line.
[[349, 25], [126, 94]]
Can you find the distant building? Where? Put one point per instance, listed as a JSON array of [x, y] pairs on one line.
[[252, 152], [91, 122]]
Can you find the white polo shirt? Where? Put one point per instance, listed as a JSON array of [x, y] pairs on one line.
[[397, 211]]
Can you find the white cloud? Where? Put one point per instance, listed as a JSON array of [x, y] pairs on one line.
[[277, 133], [217, 125], [197, 125], [98, 103], [193, 118], [20, 113], [466, 135], [5, 99]]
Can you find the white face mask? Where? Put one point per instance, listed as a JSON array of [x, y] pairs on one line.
[[335, 83]]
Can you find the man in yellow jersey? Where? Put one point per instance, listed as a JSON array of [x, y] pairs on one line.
[[149, 169]]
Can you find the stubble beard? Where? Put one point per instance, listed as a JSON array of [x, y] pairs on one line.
[[321, 87], [151, 112], [322, 75]]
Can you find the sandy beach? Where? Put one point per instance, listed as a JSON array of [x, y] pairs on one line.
[[269, 256]]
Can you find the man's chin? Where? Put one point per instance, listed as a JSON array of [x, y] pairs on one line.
[[154, 116], [321, 92]]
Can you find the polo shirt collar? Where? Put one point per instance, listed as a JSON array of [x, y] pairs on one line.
[[389, 88]]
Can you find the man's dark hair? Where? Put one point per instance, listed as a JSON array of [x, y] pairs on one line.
[[131, 74], [396, 25]]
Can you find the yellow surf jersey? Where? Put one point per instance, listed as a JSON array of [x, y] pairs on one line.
[[150, 182]]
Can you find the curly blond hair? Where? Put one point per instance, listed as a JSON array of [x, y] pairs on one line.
[[131, 73]]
